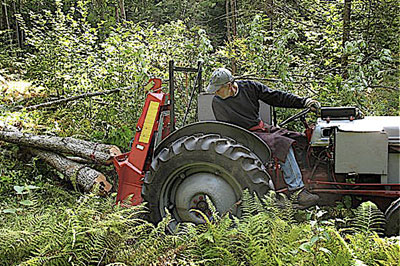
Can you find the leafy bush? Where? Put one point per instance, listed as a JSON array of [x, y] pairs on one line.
[[68, 57]]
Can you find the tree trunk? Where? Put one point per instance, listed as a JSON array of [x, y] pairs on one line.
[[4, 5], [17, 28], [77, 173], [228, 24], [231, 28], [270, 13], [233, 9], [346, 35], [122, 9], [2, 16], [99, 5], [96, 152], [117, 14], [20, 34]]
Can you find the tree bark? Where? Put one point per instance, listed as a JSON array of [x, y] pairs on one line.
[[116, 14], [231, 29], [346, 35], [99, 5], [7, 21], [95, 152], [2, 16], [270, 13], [122, 9], [228, 24], [76, 173], [17, 28], [79, 159], [234, 27], [234, 33]]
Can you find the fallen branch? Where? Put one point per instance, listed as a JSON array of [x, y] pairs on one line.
[[383, 87], [95, 152], [77, 173], [251, 77], [73, 98]]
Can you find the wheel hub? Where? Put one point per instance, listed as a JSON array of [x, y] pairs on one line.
[[192, 192], [199, 203]]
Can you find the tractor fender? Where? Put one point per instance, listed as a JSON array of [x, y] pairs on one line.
[[240, 135]]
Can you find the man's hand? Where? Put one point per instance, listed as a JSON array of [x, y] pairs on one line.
[[314, 105]]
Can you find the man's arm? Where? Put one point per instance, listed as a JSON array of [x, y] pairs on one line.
[[278, 98]]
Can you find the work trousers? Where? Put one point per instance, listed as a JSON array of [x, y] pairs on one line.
[[291, 172]]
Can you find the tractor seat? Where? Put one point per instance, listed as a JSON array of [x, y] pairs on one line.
[[205, 112]]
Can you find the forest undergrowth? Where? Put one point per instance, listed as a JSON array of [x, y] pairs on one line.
[[65, 228], [68, 51]]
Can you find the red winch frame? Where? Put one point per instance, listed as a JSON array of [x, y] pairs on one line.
[[130, 166]]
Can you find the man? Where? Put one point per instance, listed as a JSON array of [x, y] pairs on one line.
[[236, 102]]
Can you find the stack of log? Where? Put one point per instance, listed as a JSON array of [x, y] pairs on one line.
[[69, 156]]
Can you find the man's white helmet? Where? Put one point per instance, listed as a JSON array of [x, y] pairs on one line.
[[219, 77]]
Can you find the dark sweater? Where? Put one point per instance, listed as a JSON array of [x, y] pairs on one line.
[[243, 108]]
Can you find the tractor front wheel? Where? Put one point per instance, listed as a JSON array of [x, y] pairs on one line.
[[195, 167]]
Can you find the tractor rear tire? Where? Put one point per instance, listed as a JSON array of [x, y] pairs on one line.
[[192, 168], [393, 219]]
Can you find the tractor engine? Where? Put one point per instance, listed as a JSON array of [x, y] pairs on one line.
[[366, 149]]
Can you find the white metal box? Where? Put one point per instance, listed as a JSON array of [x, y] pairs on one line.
[[393, 176], [361, 152]]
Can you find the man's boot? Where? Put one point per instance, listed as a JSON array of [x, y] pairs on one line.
[[304, 198]]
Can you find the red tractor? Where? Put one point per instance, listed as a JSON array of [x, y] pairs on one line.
[[176, 170]]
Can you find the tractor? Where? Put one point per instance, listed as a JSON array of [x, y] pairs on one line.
[[175, 170]]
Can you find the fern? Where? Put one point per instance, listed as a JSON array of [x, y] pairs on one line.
[[60, 235], [368, 219], [250, 205], [93, 231], [279, 206]]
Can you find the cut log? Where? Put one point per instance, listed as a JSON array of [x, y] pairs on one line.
[[79, 159], [77, 173], [96, 152]]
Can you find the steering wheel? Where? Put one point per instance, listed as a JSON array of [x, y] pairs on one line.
[[296, 116]]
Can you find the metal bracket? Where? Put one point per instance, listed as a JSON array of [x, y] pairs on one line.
[[198, 83]]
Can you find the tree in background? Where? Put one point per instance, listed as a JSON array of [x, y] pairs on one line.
[[344, 51]]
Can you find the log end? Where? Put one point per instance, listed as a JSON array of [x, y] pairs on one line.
[[103, 183], [115, 151]]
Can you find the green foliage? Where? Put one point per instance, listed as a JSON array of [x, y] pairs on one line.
[[74, 47], [68, 56], [300, 50], [373, 250], [15, 170], [368, 218], [89, 230], [85, 231]]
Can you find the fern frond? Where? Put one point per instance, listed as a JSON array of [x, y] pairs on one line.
[[368, 218], [251, 204], [279, 208]]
